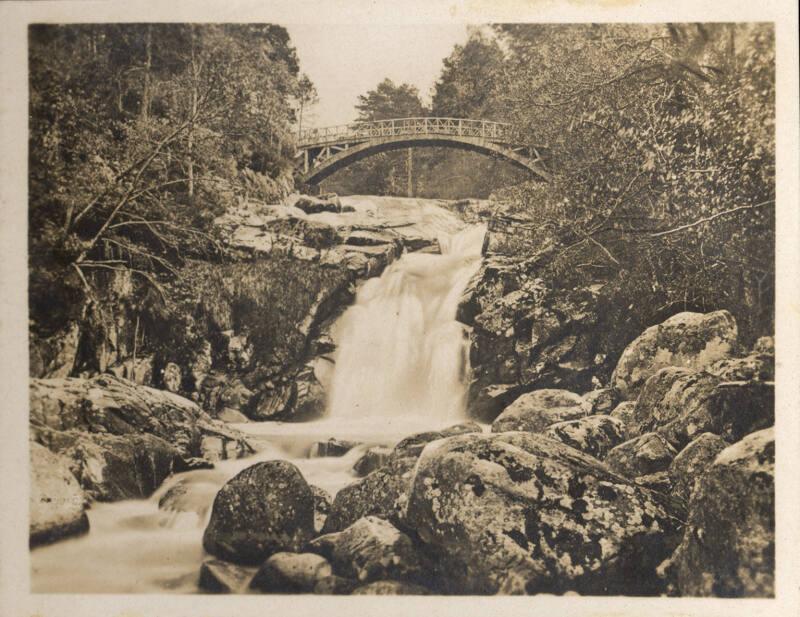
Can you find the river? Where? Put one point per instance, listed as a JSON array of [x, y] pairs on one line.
[[401, 366]]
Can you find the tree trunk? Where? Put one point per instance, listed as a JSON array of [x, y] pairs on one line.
[[190, 144], [148, 61]]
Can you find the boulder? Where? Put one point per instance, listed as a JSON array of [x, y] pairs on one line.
[[594, 435], [641, 456], [624, 412], [315, 205], [382, 493], [518, 513], [322, 507], [692, 461], [659, 481], [681, 404], [217, 576], [265, 509], [372, 459], [600, 401], [487, 402], [310, 397], [332, 447], [728, 547], [372, 549], [390, 588], [291, 573], [690, 340], [414, 444], [232, 416], [57, 504], [536, 410], [113, 467]]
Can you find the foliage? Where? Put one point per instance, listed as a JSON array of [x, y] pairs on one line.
[[661, 142], [140, 135]]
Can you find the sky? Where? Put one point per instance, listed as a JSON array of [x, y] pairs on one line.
[[344, 61]]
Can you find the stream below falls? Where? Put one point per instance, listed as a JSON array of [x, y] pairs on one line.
[[401, 366]]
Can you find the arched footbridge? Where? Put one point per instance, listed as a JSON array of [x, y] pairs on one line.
[[324, 151]]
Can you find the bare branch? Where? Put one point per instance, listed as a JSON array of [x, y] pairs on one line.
[[710, 218]]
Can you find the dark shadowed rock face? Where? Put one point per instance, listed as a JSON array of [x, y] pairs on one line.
[[57, 504], [291, 573], [322, 507], [690, 340], [692, 461], [372, 549], [535, 411], [728, 548], [335, 585], [217, 576], [594, 435], [521, 513], [600, 401], [265, 509], [641, 456], [374, 458]]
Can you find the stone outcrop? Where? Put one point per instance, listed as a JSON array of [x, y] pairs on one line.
[[690, 340], [728, 547], [641, 456], [291, 573], [692, 462], [57, 504], [594, 435], [521, 513], [218, 576], [265, 509], [537, 410]]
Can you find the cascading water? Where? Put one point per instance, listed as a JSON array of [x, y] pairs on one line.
[[400, 351], [401, 367]]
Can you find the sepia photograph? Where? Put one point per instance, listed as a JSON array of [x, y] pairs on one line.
[[407, 309]]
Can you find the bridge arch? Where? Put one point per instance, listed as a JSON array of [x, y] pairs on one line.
[[325, 151]]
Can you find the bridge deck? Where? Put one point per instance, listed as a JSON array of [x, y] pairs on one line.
[[360, 131]]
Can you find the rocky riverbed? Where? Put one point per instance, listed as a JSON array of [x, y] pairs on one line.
[[576, 468]]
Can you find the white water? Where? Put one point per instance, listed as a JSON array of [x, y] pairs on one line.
[[401, 367]]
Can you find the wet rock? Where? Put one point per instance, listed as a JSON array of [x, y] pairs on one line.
[[274, 404], [190, 496], [594, 435], [265, 509], [291, 573], [641, 456], [535, 411], [113, 467], [57, 503], [363, 237], [332, 447], [310, 397], [728, 548], [322, 507], [217, 576], [314, 205], [372, 549], [382, 493], [600, 401], [222, 443], [390, 588], [414, 444], [521, 513], [488, 402], [690, 340], [335, 585], [232, 416], [692, 461], [372, 459]]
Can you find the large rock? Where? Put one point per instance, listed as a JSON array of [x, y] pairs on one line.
[[641, 456], [322, 507], [691, 340], [291, 573], [374, 458], [535, 411], [594, 435], [521, 513], [315, 205], [265, 509], [384, 492], [728, 548], [372, 549], [729, 398], [113, 467], [217, 576], [57, 504], [692, 461], [624, 412]]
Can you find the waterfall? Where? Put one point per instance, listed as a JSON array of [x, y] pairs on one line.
[[400, 351]]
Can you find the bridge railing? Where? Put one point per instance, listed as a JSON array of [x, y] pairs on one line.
[[461, 127]]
